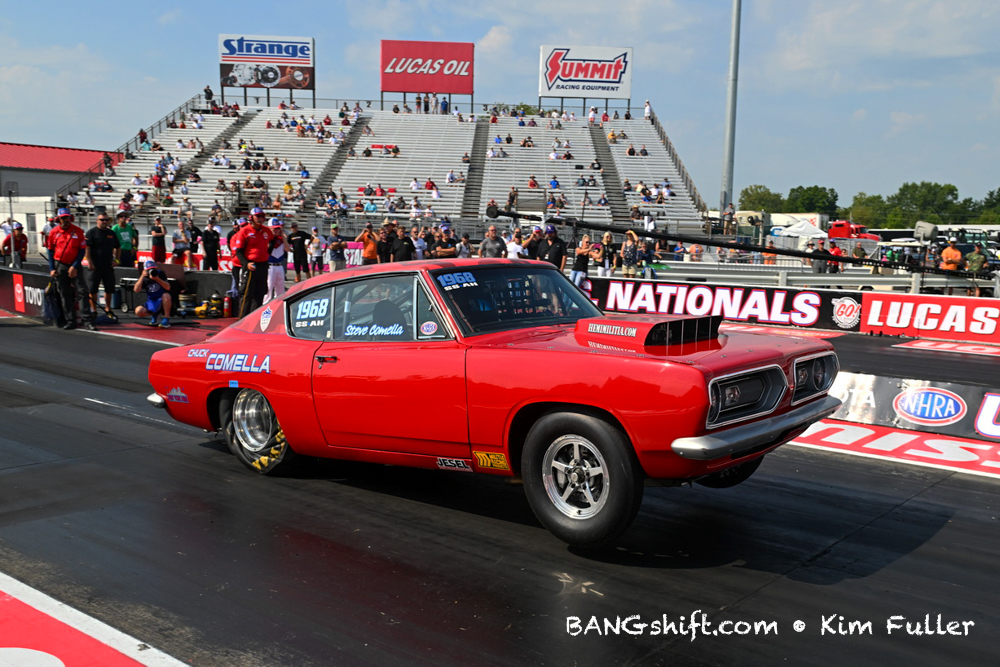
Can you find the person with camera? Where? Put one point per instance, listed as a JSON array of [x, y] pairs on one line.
[[157, 294], [253, 247]]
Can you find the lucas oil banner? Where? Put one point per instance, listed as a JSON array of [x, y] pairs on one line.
[[585, 71], [427, 67], [254, 61]]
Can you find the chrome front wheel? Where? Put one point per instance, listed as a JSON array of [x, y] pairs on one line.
[[575, 476]]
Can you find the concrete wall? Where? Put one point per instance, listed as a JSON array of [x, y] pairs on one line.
[[35, 182]]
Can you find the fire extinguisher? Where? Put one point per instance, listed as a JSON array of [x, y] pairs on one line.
[[227, 306]]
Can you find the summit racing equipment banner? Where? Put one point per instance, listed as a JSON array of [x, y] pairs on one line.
[[943, 408], [585, 71], [253, 61], [821, 309], [427, 67], [963, 319]]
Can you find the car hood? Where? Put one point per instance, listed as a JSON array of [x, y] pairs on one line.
[[685, 340]]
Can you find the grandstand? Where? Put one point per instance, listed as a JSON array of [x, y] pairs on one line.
[[429, 147]]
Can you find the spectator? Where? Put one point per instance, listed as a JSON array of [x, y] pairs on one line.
[[277, 261], [158, 243], [606, 256], [819, 258], [727, 215], [630, 255], [695, 252], [514, 248], [211, 242], [532, 183], [464, 248], [403, 248], [647, 112], [595, 165], [643, 152], [631, 151], [444, 245], [128, 240], [834, 266], [531, 247], [859, 252], [419, 244], [466, 159], [316, 245], [583, 253], [157, 294], [369, 253], [552, 249], [19, 240], [603, 201], [769, 255], [951, 256], [492, 245], [554, 183]]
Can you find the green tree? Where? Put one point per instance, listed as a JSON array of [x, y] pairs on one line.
[[933, 202], [760, 198], [812, 199], [868, 210]]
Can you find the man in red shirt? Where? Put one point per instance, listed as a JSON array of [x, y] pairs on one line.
[[252, 245], [66, 249], [20, 241]]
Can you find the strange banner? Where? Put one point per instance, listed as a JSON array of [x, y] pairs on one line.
[[427, 67], [252, 61], [821, 309]]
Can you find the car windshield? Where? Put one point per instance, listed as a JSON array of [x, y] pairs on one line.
[[509, 297]]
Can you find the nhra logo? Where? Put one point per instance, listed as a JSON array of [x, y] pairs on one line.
[[846, 312], [929, 406], [560, 68]]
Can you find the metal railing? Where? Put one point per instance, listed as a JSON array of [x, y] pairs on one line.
[[685, 176]]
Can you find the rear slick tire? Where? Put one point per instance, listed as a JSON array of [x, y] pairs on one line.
[[253, 434], [581, 478]]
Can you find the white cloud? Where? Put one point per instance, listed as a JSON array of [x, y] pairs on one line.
[[903, 121], [859, 115], [171, 17], [498, 38]]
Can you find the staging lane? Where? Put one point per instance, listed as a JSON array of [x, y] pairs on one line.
[[153, 528]]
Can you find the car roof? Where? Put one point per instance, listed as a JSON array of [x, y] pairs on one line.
[[426, 265]]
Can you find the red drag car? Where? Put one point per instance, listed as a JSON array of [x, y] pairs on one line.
[[501, 367]]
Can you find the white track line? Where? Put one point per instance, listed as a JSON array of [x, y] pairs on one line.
[[121, 642]]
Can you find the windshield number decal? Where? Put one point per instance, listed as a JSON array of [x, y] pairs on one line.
[[450, 281]]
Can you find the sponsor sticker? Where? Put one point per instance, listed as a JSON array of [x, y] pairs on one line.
[[198, 352], [454, 464], [429, 328], [177, 395], [233, 384], [930, 406], [239, 363], [612, 330], [19, 292], [265, 318], [374, 330], [846, 312], [495, 460]]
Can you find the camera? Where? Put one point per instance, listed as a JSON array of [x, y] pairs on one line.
[[153, 273]]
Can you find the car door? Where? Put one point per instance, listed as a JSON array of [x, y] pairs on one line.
[[392, 376]]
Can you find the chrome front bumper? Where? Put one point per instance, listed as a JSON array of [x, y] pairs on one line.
[[156, 401], [733, 441]]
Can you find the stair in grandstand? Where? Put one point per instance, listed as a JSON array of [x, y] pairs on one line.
[[215, 146], [609, 174], [332, 169], [477, 167]]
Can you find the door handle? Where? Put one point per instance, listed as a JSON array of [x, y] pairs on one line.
[[322, 358]]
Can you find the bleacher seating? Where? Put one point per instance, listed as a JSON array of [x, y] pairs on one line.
[[429, 147], [651, 169], [503, 173]]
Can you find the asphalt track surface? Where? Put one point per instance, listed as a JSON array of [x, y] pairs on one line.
[[153, 528]]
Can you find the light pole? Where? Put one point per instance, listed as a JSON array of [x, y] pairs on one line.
[[726, 196]]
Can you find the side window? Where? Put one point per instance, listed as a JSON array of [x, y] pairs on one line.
[[429, 325], [309, 316], [378, 309]]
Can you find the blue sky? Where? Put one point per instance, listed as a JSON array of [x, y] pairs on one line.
[[854, 95]]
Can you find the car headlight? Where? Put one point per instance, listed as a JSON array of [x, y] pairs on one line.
[[813, 376], [714, 403]]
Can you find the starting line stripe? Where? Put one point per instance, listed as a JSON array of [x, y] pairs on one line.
[[39, 629], [917, 448]]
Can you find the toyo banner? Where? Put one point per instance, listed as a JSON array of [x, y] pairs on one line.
[[427, 67], [820, 309], [255, 61], [585, 71]]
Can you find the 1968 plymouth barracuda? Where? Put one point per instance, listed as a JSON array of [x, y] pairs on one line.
[[501, 367]]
